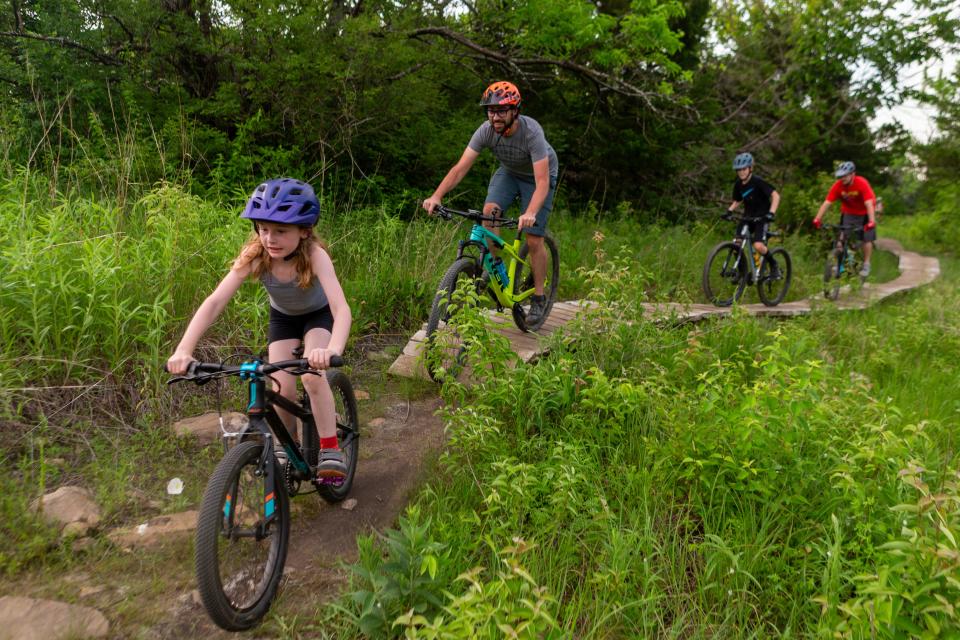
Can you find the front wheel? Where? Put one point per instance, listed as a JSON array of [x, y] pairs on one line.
[[523, 281], [776, 271], [831, 276], [445, 349], [241, 542], [725, 274]]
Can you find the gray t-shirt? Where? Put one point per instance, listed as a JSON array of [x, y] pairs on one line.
[[289, 298], [518, 152]]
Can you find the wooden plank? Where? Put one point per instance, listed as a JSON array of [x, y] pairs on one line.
[[915, 270]]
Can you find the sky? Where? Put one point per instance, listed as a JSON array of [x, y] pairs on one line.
[[915, 117]]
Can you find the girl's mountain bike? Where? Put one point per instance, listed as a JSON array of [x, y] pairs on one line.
[[243, 527], [844, 264], [734, 264], [507, 282]]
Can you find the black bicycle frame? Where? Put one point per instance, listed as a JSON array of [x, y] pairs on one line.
[[264, 421], [843, 245]]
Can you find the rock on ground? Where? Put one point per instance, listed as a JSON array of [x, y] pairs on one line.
[[31, 619], [154, 531], [69, 505], [206, 427]]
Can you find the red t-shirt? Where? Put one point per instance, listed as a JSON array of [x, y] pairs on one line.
[[853, 198]]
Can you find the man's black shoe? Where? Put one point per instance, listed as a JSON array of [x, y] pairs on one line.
[[538, 304]]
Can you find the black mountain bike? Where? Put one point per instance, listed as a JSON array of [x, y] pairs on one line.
[[243, 527], [845, 261], [733, 264]]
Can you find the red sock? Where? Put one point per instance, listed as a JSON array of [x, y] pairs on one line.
[[329, 443]]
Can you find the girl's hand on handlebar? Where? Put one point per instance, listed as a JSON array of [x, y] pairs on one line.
[[320, 358], [430, 204], [177, 363]]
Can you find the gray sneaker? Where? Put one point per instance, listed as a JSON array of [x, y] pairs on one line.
[[331, 466], [538, 304], [865, 271]]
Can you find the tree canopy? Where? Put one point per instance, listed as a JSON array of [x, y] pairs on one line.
[[644, 100]]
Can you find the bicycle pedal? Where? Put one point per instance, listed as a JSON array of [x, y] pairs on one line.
[[331, 482]]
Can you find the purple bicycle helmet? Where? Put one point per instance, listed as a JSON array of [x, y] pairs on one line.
[[284, 201]]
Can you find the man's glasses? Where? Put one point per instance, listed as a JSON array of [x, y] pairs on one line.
[[498, 111]]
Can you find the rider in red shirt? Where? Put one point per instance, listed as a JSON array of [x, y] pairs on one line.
[[857, 208]]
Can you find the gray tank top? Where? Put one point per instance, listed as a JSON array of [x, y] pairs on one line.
[[288, 298]]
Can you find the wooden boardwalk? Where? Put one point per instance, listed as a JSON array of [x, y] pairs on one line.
[[915, 271]]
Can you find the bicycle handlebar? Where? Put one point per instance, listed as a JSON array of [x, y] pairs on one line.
[[841, 227], [200, 372], [732, 217], [477, 216]]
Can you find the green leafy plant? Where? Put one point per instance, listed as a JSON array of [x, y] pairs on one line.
[[915, 590], [402, 575]]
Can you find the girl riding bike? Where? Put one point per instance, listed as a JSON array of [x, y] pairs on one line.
[[307, 304]]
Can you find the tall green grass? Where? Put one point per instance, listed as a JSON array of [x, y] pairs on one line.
[[742, 478], [738, 478]]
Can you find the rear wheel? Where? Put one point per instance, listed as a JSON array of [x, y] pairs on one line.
[[725, 274], [445, 348], [776, 271], [523, 281], [241, 542], [348, 434], [831, 276]]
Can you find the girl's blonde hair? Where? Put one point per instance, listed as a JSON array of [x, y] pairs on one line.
[[255, 255]]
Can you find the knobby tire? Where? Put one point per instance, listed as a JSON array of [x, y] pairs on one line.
[[772, 292], [523, 281], [238, 600], [722, 258], [831, 276], [452, 355]]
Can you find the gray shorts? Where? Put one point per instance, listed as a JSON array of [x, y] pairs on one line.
[[849, 220], [505, 187]]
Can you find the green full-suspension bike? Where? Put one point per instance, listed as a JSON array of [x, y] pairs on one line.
[[506, 280]]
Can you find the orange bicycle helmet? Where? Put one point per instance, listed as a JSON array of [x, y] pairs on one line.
[[501, 93]]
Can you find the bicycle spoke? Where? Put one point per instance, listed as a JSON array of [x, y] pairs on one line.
[[445, 349], [242, 534], [775, 273], [724, 275], [348, 435], [523, 285], [245, 562]]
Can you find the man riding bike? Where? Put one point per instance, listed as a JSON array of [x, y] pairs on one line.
[[528, 171], [760, 201], [857, 208]]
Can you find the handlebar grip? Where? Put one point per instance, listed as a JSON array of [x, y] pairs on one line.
[[336, 361], [196, 367]]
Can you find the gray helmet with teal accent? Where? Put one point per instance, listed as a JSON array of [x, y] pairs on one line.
[[845, 169], [742, 161]]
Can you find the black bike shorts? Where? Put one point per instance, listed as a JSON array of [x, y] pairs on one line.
[[850, 220], [757, 229], [285, 327]]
